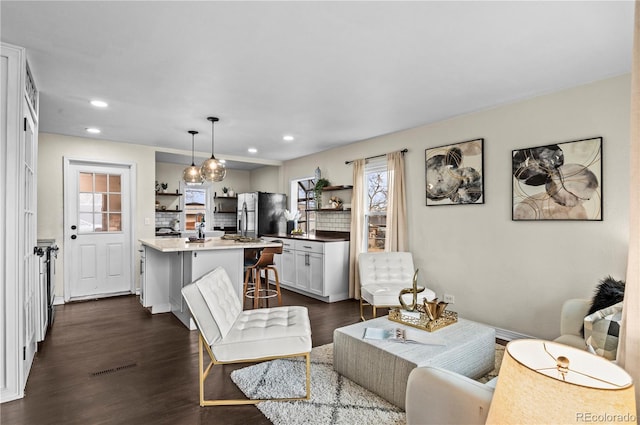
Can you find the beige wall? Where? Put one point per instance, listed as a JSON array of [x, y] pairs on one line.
[[267, 179], [512, 275], [52, 148]]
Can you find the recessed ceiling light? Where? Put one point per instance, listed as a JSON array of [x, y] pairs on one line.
[[93, 130], [99, 103], [252, 150], [287, 138]]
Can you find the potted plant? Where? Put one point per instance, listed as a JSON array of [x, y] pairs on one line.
[[317, 191]]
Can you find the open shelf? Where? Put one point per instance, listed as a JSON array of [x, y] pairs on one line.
[[341, 187], [168, 194]]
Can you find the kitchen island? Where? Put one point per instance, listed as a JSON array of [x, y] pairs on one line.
[[168, 264]]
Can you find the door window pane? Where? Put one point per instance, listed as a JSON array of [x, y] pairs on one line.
[[99, 203], [115, 222], [86, 182], [115, 203], [114, 184], [101, 182]]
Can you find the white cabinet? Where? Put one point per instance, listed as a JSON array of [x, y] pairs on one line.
[[286, 263], [310, 266], [317, 269]]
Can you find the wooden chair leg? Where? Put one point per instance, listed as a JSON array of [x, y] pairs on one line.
[[256, 289], [277, 280], [248, 276]]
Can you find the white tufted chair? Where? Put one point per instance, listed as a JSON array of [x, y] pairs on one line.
[[231, 335], [382, 276]]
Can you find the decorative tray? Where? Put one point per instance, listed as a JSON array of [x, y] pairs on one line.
[[239, 238], [419, 319]]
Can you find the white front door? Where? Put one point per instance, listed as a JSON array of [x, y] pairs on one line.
[[98, 234]]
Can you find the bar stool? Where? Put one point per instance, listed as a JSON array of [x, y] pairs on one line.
[[253, 278]]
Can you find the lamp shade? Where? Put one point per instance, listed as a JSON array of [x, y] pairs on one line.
[[213, 170], [191, 174], [543, 382]]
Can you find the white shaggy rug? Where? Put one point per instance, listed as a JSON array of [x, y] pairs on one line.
[[334, 398]]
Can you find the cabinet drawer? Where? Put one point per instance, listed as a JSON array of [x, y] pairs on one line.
[[308, 246]]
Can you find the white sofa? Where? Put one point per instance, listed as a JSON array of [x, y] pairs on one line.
[[571, 320], [438, 396]]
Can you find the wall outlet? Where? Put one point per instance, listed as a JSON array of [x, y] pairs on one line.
[[448, 298]]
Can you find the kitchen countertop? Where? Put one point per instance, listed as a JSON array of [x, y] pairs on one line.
[[305, 237], [180, 244]]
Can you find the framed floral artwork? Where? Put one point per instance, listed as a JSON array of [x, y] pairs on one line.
[[562, 181], [454, 174]]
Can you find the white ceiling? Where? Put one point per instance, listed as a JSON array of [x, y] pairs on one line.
[[328, 73]]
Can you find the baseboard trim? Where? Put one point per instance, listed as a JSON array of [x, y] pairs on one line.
[[508, 335], [58, 300]]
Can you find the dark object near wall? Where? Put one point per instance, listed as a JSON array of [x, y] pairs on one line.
[[608, 293]]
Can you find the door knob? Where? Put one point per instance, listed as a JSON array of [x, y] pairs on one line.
[[74, 227], [73, 236]]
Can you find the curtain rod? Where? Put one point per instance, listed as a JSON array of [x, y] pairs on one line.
[[403, 151]]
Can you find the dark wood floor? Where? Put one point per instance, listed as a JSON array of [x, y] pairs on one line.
[[112, 362]]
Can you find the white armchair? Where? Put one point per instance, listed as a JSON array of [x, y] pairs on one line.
[[229, 335], [382, 276], [438, 396], [571, 320]]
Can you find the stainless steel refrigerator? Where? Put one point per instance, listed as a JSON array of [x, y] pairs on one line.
[[261, 213]]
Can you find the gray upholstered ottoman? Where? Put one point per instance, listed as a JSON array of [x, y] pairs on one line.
[[384, 366]]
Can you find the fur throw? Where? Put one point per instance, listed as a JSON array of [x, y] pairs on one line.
[[607, 293]]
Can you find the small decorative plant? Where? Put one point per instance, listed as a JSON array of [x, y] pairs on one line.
[[225, 190], [164, 186], [317, 190]]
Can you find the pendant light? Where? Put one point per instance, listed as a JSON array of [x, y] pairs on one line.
[[191, 175], [213, 170]]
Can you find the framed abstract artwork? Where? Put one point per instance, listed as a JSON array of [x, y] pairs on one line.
[[454, 174], [562, 181]]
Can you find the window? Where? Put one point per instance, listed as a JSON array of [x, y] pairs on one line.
[[100, 204], [195, 207], [302, 200], [375, 174]]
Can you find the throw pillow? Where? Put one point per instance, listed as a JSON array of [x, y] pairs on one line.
[[608, 293], [602, 329]]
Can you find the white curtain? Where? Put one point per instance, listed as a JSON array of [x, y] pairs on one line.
[[396, 238], [357, 226], [629, 349]]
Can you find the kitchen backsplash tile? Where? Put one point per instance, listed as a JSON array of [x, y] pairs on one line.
[[334, 221]]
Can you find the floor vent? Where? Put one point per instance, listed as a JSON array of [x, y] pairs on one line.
[[114, 369]]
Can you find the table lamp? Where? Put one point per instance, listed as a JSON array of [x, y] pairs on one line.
[[543, 382]]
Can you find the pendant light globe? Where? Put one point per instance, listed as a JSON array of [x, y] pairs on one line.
[[191, 175], [213, 170]]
